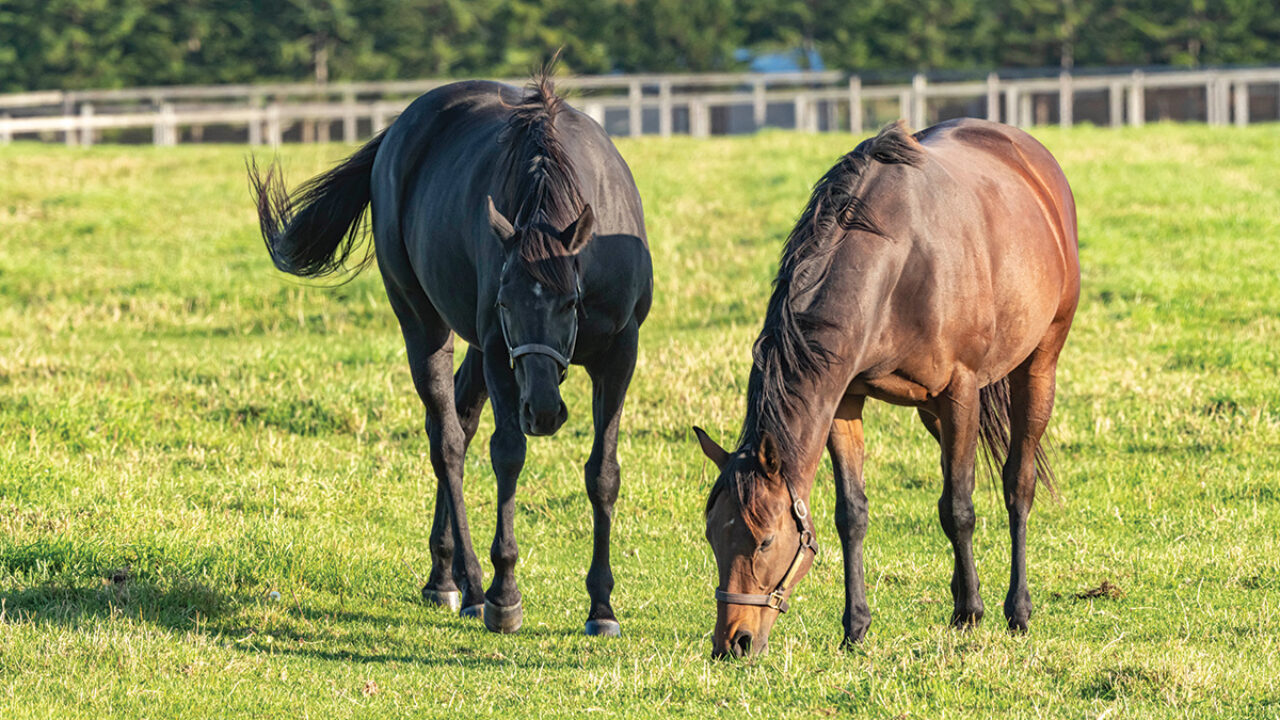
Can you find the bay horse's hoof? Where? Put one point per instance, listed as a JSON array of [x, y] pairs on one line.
[[451, 599], [472, 611], [503, 619], [603, 628]]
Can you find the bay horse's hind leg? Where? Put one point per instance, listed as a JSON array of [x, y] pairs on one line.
[[610, 376], [845, 444], [1031, 390], [957, 411], [446, 568]]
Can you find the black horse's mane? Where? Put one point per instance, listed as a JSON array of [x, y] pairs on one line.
[[788, 347], [541, 183]]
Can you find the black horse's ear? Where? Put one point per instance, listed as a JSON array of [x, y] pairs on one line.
[[577, 235], [768, 455], [714, 452], [500, 225]]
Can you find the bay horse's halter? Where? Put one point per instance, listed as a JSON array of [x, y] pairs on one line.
[[562, 359], [777, 598]]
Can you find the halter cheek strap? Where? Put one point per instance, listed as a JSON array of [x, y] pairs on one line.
[[562, 359], [776, 599]]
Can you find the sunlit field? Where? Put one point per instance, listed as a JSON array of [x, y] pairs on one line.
[[215, 496]]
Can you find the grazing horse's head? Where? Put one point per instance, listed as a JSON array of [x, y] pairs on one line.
[[538, 301], [762, 537]]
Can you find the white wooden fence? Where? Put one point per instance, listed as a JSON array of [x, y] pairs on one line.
[[698, 105]]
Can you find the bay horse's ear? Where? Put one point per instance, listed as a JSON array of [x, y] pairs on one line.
[[714, 452], [768, 455], [500, 225], [577, 235]]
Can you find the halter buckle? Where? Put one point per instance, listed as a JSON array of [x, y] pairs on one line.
[[775, 600], [800, 509]]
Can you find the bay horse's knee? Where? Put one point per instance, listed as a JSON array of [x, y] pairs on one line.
[[851, 519]]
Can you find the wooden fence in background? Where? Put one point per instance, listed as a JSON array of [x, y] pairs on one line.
[[697, 105]]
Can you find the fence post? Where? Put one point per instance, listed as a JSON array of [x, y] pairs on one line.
[[855, 105], [759, 105], [993, 97], [664, 109], [595, 111], [1024, 109], [1066, 100], [1137, 100], [635, 111], [1115, 104], [86, 130], [801, 123], [919, 88], [255, 125], [6, 132], [68, 105], [1242, 104], [699, 123], [274, 132], [1012, 106], [349, 118], [378, 117]]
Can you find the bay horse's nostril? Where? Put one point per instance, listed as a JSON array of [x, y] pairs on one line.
[[741, 645]]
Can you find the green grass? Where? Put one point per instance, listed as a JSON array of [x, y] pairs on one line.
[[172, 405]]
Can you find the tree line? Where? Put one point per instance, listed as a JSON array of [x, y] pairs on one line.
[[74, 44]]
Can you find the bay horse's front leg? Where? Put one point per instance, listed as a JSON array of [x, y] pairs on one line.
[[847, 452], [957, 410], [610, 376], [503, 605]]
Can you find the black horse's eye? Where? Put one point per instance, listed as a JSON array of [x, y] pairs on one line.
[[767, 542], [568, 305]]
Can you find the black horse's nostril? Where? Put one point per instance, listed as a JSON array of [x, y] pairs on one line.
[[741, 646]]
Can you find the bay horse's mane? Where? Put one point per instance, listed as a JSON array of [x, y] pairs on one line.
[[788, 348], [541, 182]]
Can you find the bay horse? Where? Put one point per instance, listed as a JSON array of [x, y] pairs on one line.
[[939, 271], [507, 218]]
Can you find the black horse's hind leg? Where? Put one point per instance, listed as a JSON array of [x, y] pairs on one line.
[[957, 412], [847, 451], [503, 604], [429, 344], [447, 569], [610, 376], [1031, 388]]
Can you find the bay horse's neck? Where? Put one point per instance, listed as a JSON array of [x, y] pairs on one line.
[[806, 414]]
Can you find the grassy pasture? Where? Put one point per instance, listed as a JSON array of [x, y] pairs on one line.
[[177, 415]]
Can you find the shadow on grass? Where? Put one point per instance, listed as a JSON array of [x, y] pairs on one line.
[[192, 607]]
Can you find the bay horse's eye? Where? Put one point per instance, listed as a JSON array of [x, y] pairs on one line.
[[767, 542]]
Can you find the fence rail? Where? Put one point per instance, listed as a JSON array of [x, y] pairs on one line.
[[698, 105]]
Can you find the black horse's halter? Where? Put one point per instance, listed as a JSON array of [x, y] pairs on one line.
[[562, 359], [777, 598]]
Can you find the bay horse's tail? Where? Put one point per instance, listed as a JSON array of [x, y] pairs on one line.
[[993, 428], [313, 231]]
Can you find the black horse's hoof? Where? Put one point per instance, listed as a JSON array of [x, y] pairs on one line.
[[472, 611], [451, 599], [503, 619], [603, 628]]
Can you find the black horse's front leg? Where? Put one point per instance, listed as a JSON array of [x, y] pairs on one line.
[[503, 607], [610, 376]]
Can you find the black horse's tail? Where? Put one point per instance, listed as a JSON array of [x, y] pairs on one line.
[[314, 231], [993, 428]]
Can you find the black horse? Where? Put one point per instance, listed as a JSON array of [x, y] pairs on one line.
[[508, 218]]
